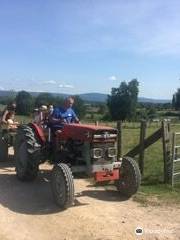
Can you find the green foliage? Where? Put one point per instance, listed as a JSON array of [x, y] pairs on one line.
[[152, 113], [157, 106], [48, 99], [123, 100], [24, 102], [7, 100], [172, 113], [44, 99], [79, 107], [57, 101], [102, 109], [141, 114]]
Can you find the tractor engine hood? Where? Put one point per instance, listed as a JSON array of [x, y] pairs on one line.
[[86, 132]]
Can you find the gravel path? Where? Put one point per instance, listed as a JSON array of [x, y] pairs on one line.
[[27, 211]]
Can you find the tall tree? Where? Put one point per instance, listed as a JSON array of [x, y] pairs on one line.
[[123, 100], [79, 107], [24, 102], [176, 100], [173, 101], [44, 99]]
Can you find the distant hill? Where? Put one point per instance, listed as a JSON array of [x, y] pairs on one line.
[[151, 100], [93, 97], [89, 97], [100, 97]]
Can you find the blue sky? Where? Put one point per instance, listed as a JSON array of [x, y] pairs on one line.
[[78, 46]]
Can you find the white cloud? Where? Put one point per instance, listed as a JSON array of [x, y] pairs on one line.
[[65, 86], [50, 82], [113, 78], [68, 86], [2, 88]]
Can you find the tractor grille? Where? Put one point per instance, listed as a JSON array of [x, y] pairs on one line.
[[103, 152]]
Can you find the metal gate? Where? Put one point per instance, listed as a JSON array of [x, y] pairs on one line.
[[175, 175]]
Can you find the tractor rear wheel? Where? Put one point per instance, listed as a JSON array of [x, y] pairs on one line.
[[26, 154], [62, 185], [130, 177], [3, 150]]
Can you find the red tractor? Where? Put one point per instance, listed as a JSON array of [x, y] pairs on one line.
[[77, 148]]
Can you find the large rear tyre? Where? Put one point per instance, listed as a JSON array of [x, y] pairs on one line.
[[3, 150], [62, 185], [26, 154], [130, 177]]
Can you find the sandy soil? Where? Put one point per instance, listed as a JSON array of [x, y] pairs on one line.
[[27, 211]]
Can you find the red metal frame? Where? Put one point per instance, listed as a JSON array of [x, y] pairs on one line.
[[106, 175], [39, 132]]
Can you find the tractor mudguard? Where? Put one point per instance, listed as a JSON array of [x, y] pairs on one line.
[[39, 132]]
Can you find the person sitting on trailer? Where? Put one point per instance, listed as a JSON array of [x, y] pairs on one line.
[[40, 116], [8, 117]]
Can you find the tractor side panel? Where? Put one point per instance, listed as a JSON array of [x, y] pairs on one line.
[[73, 132], [81, 132], [39, 132]]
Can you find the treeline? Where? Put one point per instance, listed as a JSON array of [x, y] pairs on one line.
[[26, 102], [122, 104]]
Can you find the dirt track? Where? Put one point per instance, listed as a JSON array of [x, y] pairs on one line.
[[27, 211]]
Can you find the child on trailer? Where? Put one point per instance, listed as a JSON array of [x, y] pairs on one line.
[[8, 117]]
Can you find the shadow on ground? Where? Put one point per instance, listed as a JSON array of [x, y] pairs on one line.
[[26, 197], [103, 195], [35, 197]]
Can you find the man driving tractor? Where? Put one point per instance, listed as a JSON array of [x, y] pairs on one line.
[[63, 115]]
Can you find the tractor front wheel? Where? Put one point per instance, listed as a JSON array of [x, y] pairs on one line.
[[130, 177], [62, 185]]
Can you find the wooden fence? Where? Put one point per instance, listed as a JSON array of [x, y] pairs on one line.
[[163, 132]]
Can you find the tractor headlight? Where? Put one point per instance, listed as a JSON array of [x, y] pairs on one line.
[[97, 153], [112, 152]]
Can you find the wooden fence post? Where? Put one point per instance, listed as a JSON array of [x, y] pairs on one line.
[[119, 142], [141, 142], [96, 123], [166, 151]]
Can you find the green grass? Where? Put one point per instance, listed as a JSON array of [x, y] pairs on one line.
[[152, 190], [158, 194]]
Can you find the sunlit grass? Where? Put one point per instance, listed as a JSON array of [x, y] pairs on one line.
[[152, 179]]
